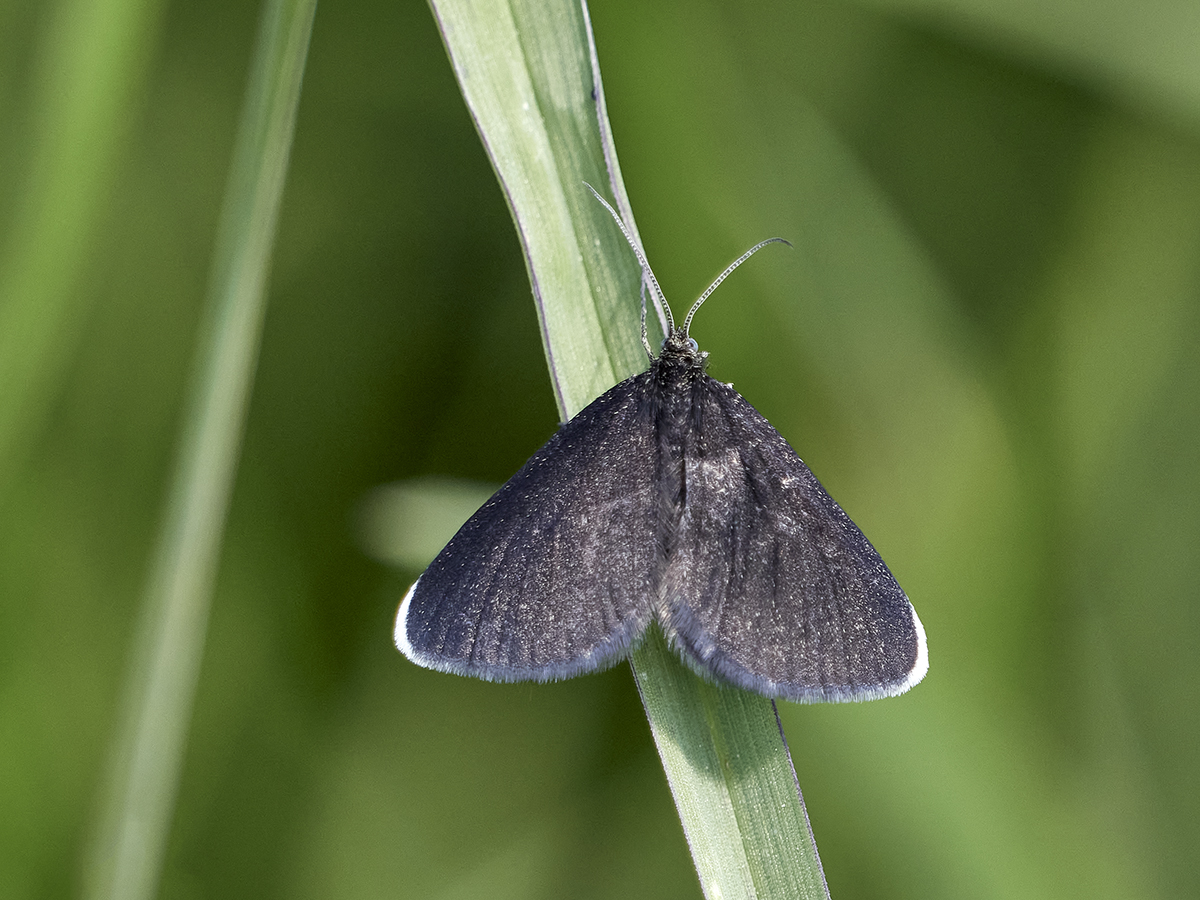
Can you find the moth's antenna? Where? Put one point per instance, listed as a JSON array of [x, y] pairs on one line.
[[649, 273], [645, 337], [733, 265]]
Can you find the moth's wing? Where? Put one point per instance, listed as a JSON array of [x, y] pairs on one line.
[[770, 584], [552, 576]]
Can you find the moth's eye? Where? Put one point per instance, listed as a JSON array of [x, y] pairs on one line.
[[692, 345]]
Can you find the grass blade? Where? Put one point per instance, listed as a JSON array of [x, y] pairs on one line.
[[529, 74], [131, 838], [92, 60]]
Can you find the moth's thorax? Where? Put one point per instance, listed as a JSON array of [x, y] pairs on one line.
[[677, 386]]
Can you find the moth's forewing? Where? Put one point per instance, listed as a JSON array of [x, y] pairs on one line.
[[552, 576]]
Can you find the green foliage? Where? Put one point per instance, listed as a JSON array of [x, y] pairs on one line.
[[984, 346]]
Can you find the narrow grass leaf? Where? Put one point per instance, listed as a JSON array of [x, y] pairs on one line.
[[126, 857], [529, 74]]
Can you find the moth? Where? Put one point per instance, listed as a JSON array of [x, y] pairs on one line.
[[668, 499]]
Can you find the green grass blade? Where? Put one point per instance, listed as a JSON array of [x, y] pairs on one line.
[[92, 60], [131, 837], [733, 781], [529, 76], [526, 73]]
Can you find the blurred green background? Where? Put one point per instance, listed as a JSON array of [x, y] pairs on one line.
[[985, 345]]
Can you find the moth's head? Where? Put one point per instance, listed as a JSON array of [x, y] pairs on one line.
[[680, 349]]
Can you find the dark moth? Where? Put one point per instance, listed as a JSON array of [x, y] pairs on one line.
[[669, 498]]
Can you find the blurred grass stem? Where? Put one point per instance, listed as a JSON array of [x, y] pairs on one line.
[[127, 854], [93, 57]]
